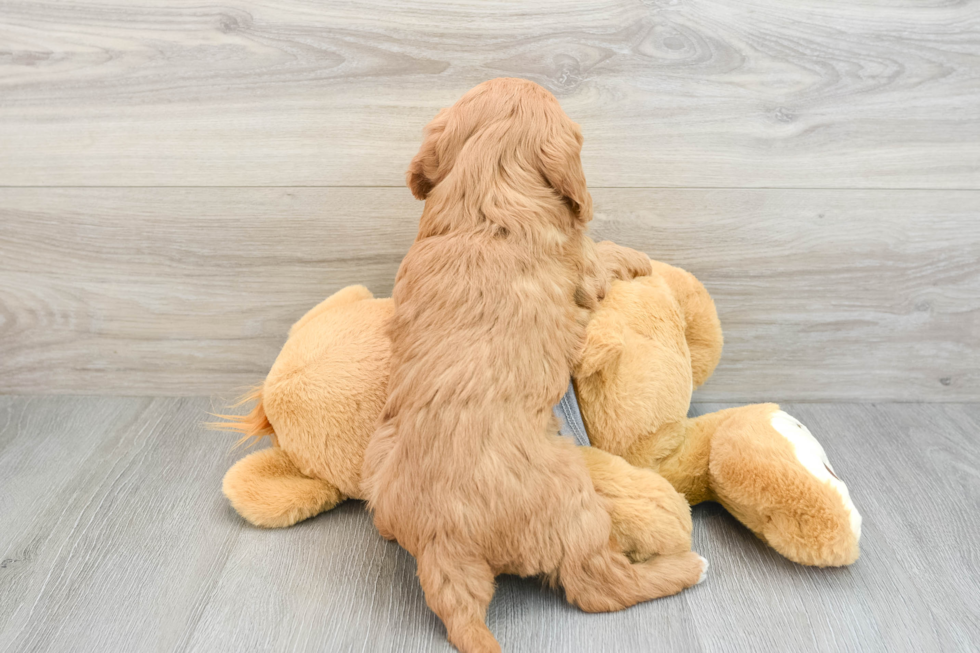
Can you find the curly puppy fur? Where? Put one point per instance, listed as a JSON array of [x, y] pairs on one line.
[[466, 469]]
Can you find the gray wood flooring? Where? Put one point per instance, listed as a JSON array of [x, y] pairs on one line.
[[114, 537]]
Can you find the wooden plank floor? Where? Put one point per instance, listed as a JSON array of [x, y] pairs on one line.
[[114, 536]]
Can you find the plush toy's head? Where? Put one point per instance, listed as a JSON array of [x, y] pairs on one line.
[[650, 343]]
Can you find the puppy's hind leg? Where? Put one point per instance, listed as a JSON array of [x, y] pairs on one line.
[[601, 579], [458, 589]]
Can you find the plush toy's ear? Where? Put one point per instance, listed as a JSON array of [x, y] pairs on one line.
[[604, 344], [423, 173], [702, 328], [561, 166], [344, 296]]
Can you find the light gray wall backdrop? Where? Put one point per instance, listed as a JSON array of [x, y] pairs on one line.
[[180, 182]]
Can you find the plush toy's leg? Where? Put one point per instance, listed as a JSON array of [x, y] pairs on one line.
[[268, 490], [769, 472], [649, 516]]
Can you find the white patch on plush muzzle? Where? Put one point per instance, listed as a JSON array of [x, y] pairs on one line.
[[814, 459]]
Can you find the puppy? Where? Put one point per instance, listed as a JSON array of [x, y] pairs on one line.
[[466, 469]]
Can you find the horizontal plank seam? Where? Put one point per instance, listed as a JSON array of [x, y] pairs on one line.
[[259, 186], [220, 395]]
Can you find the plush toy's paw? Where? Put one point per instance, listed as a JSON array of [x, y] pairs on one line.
[[649, 517], [770, 472], [268, 490], [812, 456]]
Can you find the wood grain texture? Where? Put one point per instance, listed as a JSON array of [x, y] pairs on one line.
[[113, 530], [913, 471], [757, 93], [114, 536], [824, 295]]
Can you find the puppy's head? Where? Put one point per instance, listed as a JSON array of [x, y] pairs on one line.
[[508, 130]]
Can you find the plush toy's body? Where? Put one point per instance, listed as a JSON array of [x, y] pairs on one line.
[[320, 404], [652, 340]]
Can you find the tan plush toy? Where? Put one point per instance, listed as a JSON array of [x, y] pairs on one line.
[[651, 342]]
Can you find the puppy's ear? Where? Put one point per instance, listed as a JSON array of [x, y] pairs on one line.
[[561, 165], [423, 172]]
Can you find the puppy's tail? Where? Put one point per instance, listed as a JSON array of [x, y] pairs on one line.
[[253, 426], [606, 581], [458, 588]]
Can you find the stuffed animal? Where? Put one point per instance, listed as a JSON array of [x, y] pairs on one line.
[[650, 343]]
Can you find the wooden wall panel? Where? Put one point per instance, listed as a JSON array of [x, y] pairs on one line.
[[719, 93], [844, 295]]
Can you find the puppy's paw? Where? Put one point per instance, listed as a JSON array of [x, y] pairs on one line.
[[622, 262], [704, 570]]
